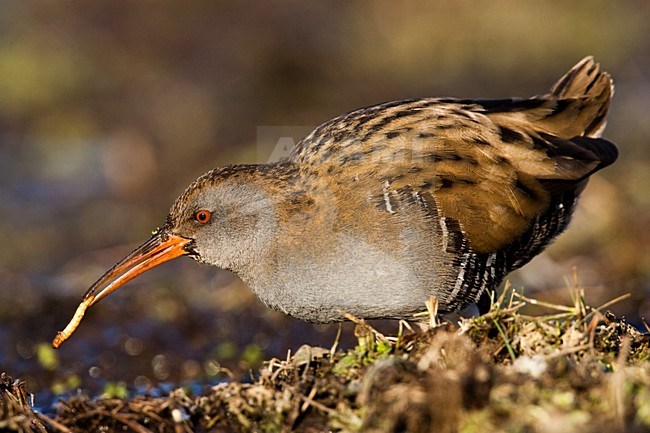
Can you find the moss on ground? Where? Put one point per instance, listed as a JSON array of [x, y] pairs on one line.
[[575, 369]]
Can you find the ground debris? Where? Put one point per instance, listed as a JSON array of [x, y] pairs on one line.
[[15, 407], [576, 369]]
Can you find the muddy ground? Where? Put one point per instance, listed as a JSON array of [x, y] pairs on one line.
[[571, 369]]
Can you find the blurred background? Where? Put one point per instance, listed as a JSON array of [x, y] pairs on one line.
[[108, 110]]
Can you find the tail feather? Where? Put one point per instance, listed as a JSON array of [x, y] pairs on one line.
[[584, 94], [567, 123], [576, 105], [591, 91]]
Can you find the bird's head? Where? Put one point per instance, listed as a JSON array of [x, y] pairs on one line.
[[225, 218]]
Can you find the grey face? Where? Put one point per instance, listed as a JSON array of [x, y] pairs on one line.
[[230, 223]]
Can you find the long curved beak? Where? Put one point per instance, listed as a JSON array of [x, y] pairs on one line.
[[160, 248]]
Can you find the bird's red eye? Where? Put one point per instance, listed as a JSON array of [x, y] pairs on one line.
[[202, 216]]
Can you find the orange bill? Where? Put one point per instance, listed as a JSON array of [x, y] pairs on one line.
[[160, 248]]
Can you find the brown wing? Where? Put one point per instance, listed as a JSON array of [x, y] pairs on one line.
[[491, 165]]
